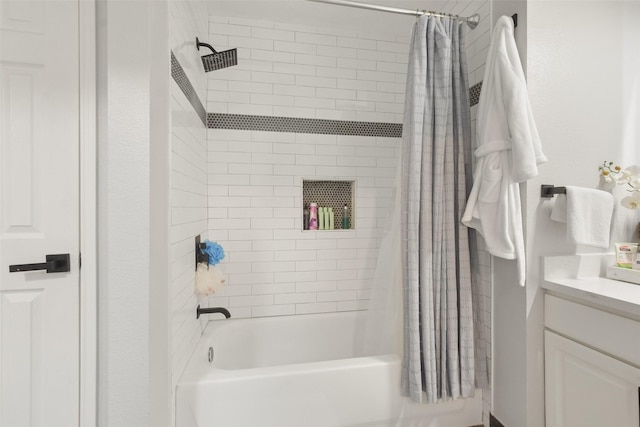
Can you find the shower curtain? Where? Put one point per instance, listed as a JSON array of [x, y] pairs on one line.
[[441, 345]]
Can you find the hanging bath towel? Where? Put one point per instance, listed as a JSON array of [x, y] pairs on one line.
[[509, 150]]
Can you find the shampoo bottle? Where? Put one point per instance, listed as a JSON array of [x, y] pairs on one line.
[[331, 225], [321, 219], [345, 217], [313, 216]]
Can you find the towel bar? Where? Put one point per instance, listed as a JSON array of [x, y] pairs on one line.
[[548, 191]]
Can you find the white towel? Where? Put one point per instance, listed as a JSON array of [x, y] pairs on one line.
[[588, 214]]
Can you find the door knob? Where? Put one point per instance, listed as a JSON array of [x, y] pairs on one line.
[[54, 264]]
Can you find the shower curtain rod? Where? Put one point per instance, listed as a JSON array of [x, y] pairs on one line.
[[472, 21]]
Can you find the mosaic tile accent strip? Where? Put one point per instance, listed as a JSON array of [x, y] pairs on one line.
[[179, 76], [332, 194], [302, 125], [474, 93]]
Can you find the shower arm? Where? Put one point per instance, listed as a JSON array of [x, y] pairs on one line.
[[199, 43]]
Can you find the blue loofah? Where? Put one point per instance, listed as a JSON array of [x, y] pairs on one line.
[[215, 252]]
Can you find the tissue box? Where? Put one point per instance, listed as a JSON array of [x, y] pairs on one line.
[[624, 274]]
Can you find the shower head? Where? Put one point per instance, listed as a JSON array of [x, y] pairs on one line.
[[217, 60]]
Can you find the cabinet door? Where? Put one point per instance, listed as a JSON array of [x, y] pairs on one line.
[[586, 388]]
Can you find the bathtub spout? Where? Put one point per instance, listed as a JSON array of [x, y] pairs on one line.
[[200, 311]]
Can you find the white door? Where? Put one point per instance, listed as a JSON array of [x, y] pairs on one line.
[[586, 388], [39, 164]]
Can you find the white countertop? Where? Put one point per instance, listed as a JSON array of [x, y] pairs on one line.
[[579, 277]]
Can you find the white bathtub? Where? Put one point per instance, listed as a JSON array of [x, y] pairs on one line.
[[302, 371]]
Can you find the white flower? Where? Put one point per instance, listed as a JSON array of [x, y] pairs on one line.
[[631, 202], [627, 174]]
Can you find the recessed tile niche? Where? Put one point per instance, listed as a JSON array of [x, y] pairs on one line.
[[331, 194]]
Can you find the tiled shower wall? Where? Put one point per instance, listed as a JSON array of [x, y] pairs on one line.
[[188, 193], [255, 177]]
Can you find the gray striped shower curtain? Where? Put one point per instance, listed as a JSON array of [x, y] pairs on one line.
[[441, 346]]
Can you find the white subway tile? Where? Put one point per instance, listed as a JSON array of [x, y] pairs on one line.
[[250, 278], [337, 275], [307, 70], [389, 46], [259, 202], [295, 27], [335, 114], [215, 179], [391, 67], [272, 159], [250, 168], [352, 305], [270, 55], [289, 170], [274, 245], [295, 255], [252, 87], [356, 161], [315, 244], [234, 246], [250, 234], [257, 98], [231, 224], [260, 267], [316, 160], [370, 116], [321, 307], [343, 52], [218, 157], [336, 296], [271, 180], [277, 78], [217, 212], [358, 64], [356, 43], [271, 223], [306, 48], [377, 96], [251, 22], [294, 112], [285, 212], [254, 65], [316, 39], [318, 82], [250, 301], [324, 286], [344, 254], [322, 92], [293, 298], [294, 90], [316, 265], [298, 276], [342, 73], [250, 212], [294, 148], [253, 109], [314, 102], [341, 172], [251, 43], [264, 33], [248, 190], [391, 87], [356, 85], [355, 105], [273, 310]]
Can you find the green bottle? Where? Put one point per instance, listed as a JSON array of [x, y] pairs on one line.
[[345, 217]]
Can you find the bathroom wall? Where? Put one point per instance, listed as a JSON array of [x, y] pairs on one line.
[[582, 92], [188, 178]]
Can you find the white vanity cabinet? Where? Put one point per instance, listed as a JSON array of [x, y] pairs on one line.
[[587, 388], [592, 352]]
